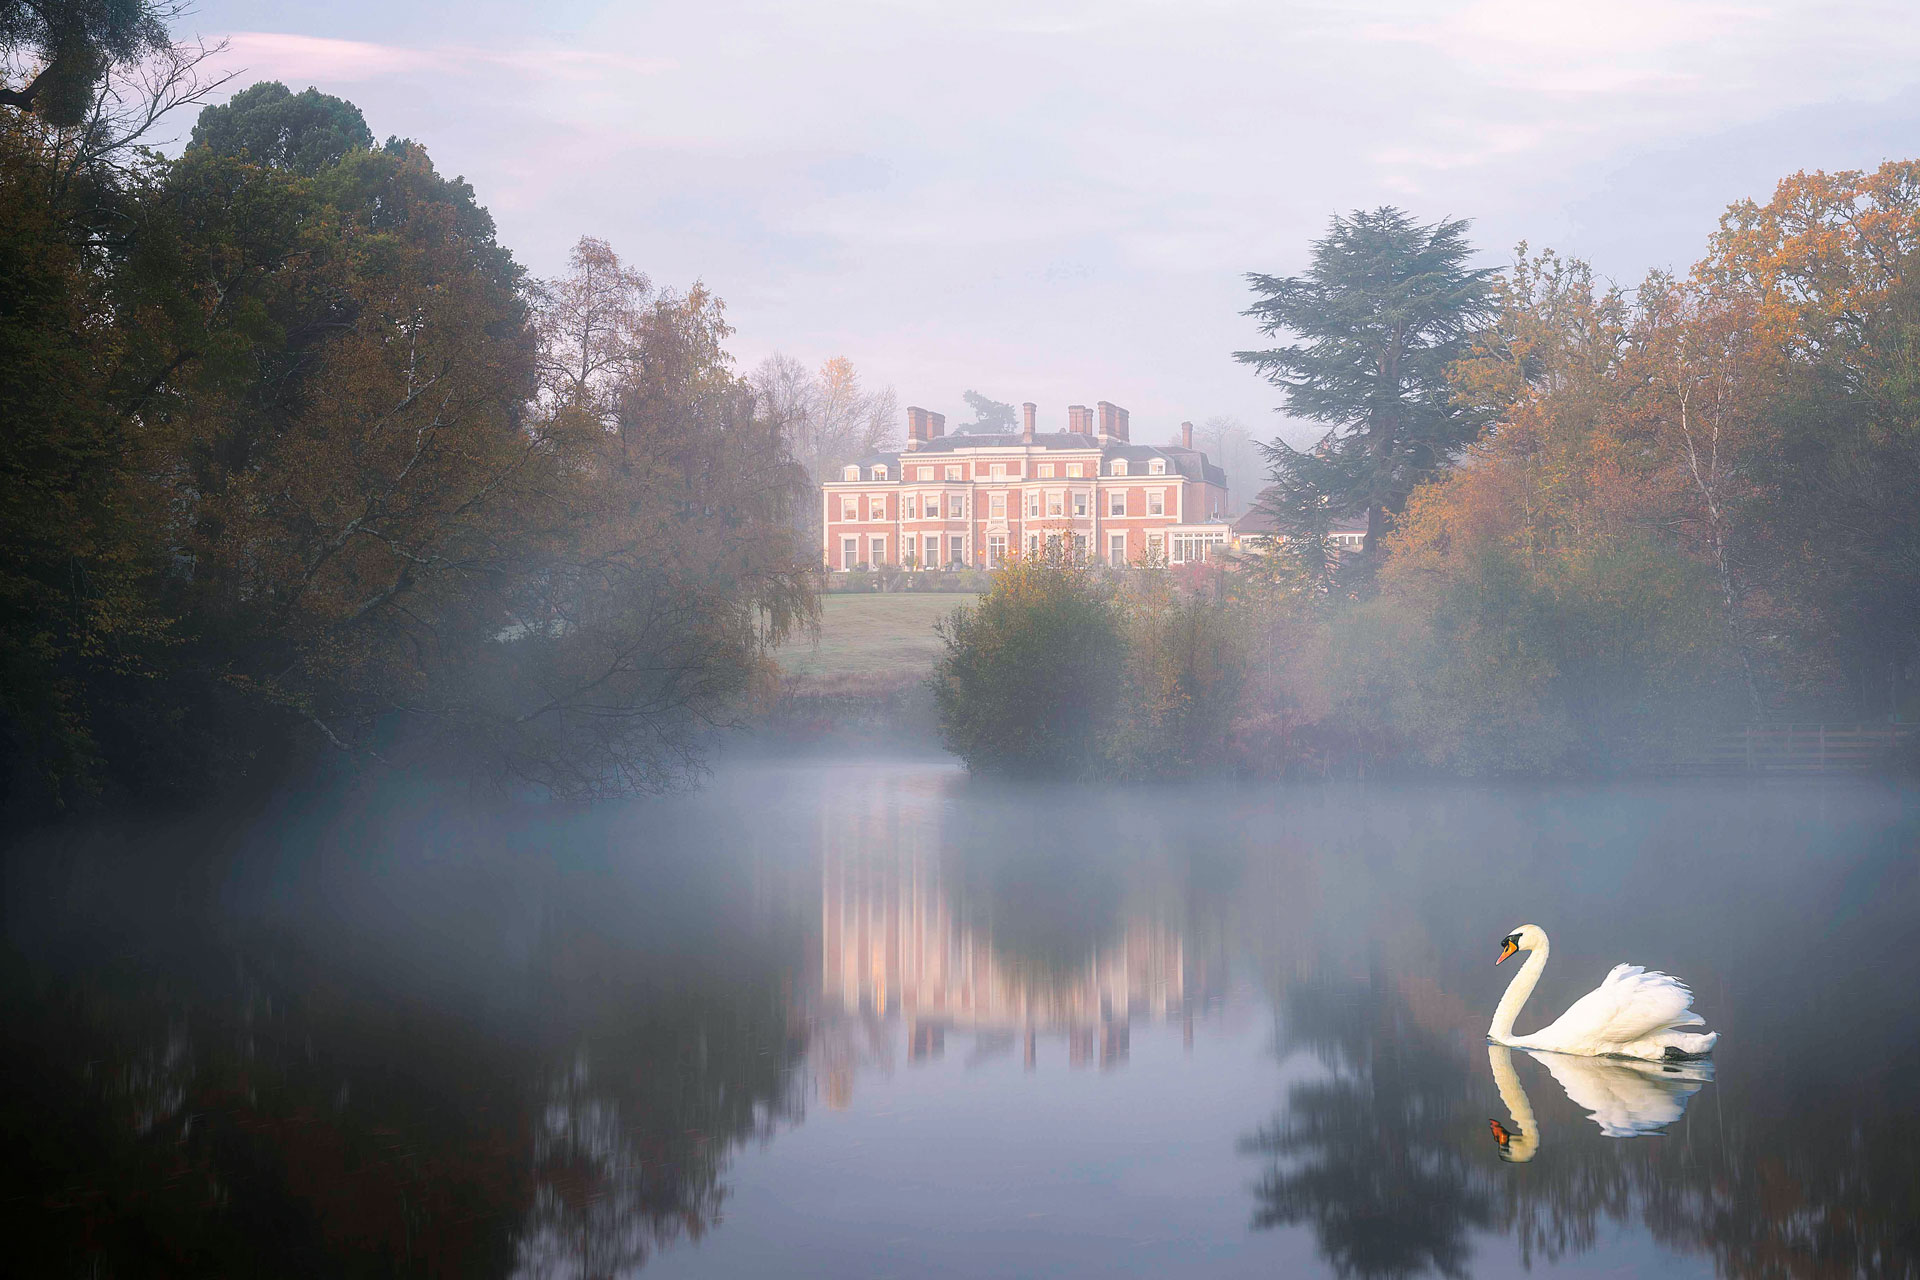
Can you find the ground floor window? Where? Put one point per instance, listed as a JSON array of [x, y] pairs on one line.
[[879, 551], [996, 550], [933, 551], [1116, 548], [1194, 548], [1080, 546], [956, 549], [849, 552], [909, 549], [1155, 546]]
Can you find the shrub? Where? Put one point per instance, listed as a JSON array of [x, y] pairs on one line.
[[1029, 682]]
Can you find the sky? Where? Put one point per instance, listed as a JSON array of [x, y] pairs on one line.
[[1057, 202]]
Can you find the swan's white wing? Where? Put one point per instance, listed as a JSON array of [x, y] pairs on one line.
[[1625, 1101], [1629, 1006]]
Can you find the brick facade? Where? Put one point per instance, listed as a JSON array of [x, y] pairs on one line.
[[966, 499]]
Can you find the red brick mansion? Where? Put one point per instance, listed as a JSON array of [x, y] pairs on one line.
[[964, 499]]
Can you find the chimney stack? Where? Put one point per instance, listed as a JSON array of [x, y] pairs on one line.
[[936, 425], [1186, 435], [1026, 432], [1108, 419], [1123, 424], [1079, 420]]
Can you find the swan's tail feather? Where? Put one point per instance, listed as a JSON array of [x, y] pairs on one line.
[[1684, 1045]]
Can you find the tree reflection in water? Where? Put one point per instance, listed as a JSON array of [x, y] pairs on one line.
[[1362, 1155], [317, 1097]]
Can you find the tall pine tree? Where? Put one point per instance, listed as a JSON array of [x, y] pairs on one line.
[[1386, 306]]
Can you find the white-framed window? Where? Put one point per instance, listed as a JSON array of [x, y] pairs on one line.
[[999, 471], [850, 473], [1056, 503], [1116, 502], [1156, 502], [877, 507], [849, 552], [1158, 467], [1155, 545], [933, 551], [913, 507], [997, 506], [1080, 504], [1033, 505], [1194, 548], [953, 472], [1116, 548], [1044, 471], [957, 549], [849, 508], [1033, 544], [1080, 546], [1073, 471], [909, 549], [996, 549], [926, 473], [879, 550], [933, 506], [879, 473], [1118, 467]]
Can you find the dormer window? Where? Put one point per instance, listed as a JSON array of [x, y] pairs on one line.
[[851, 473], [1117, 467], [879, 473], [1157, 467]]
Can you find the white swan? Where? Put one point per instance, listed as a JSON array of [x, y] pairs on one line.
[[1633, 1014]]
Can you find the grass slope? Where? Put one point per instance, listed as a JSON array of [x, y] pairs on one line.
[[871, 640]]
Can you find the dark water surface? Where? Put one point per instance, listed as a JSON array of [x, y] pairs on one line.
[[877, 1020]]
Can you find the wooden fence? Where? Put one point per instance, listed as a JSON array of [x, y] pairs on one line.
[[1798, 749]]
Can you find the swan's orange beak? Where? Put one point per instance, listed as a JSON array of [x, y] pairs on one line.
[[1500, 1134], [1506, 951]]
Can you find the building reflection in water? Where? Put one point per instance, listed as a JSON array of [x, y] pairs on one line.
[[899, 944]]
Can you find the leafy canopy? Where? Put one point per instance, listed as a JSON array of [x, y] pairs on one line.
[[275, 127]]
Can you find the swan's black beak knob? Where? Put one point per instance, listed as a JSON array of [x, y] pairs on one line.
[[1507, 948]]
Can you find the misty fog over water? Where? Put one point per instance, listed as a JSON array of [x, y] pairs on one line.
[[876, 1018]]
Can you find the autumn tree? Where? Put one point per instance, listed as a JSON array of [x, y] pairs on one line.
[[829, 416], [1826, 270], [1385, 308]]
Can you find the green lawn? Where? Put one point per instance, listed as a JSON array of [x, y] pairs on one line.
[[887, 638]]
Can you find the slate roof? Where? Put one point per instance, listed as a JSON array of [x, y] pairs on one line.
[[1191, 463]]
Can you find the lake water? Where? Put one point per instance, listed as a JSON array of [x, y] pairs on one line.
[[876, 1019]]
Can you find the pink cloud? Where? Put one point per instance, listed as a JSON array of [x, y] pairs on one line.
[[317, 59]]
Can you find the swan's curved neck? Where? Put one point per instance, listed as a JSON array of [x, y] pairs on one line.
[[1517, 992]]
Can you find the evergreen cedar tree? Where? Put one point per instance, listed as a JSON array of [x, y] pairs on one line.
[[1384, 310], [990, 417]]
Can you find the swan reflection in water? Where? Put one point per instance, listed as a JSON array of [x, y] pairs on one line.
[[1626, 1098]]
